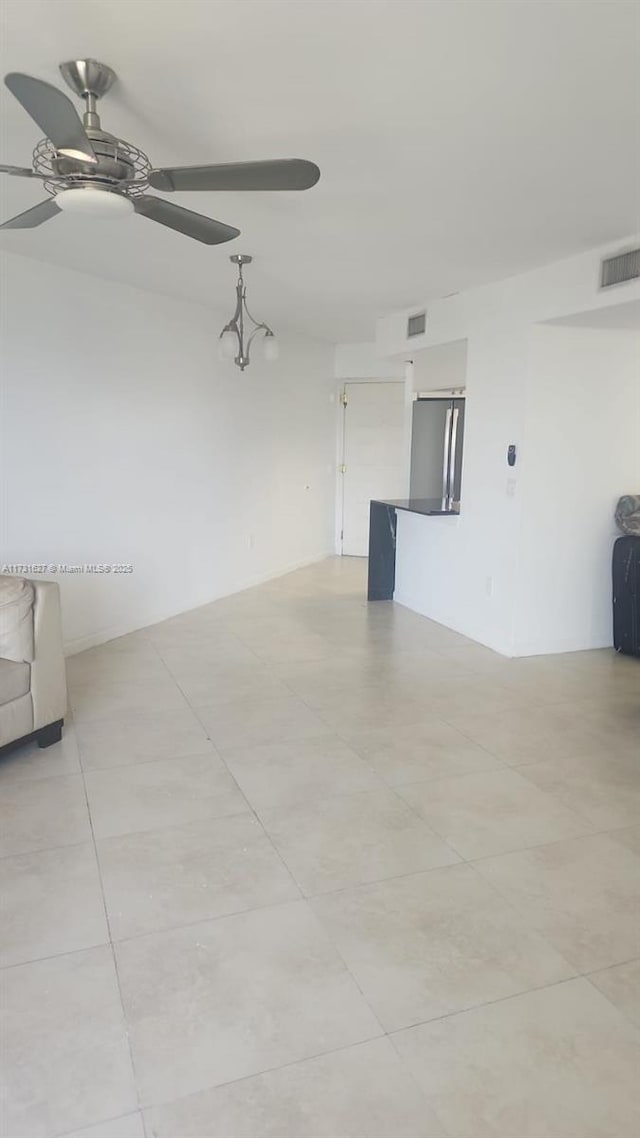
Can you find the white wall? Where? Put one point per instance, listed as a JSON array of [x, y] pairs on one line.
[[466, 572], [442, 367], [552, 292], [582, 452], [124, 439], [461, 571], [363, 361]]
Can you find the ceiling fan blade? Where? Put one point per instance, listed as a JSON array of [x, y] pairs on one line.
[[280, 174], [54, 113], [185, 221], [35, 216], [20, 172]]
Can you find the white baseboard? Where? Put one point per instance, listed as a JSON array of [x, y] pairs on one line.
[[453, 626], [557, 647], [524, 648]]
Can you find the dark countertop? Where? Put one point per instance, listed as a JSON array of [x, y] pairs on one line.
[[428, 506]]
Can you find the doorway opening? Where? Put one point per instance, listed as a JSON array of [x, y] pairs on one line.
[[374, 463]]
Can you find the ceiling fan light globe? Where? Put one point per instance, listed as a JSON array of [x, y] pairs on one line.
[[228, 345], [270, 348], [96, 203]]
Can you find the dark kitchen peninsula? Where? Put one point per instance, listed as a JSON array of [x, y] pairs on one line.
[[382, 538]]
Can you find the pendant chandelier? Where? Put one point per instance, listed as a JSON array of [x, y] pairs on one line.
[[232, 343]]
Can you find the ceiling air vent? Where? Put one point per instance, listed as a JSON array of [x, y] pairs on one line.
[[617, 270], [416, 325]]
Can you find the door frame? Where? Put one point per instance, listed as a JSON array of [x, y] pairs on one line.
[[342, 395]]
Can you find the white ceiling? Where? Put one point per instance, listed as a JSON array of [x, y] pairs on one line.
[[460, 141]]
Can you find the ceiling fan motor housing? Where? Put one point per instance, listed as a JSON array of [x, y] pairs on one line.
[[115, 163], [120, 165]]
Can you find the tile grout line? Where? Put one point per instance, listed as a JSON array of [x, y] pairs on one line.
[[264, 830], [384, 1034], [100, 1122], [464, 1011], [46, 849], [501, 853], [503, 999], [344, 741], [155, 759], [589, 976], [249, 811], [114, 958], [265, 1071], [102, 718], [307, 897]]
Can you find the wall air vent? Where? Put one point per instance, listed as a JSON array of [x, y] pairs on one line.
[[416, 325], [617, 270]]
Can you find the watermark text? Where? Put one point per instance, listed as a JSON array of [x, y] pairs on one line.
[[57, 568]]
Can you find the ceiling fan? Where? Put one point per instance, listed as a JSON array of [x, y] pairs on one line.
[[87, 170]]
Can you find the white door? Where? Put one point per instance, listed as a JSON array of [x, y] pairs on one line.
[[374, 460]]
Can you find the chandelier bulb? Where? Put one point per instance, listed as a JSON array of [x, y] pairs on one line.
[[228, 345], [271, 347]]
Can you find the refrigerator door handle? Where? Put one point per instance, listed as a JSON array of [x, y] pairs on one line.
[[452, 453], [446, 465]]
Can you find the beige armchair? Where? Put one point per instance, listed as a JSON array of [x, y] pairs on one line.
[[33, 692]]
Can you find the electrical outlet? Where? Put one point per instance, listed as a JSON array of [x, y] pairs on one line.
[[251, 541], [488, 586]]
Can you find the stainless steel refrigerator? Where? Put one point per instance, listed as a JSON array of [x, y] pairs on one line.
[[437, 434]]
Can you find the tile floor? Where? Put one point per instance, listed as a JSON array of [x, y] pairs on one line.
[[307, 868]]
